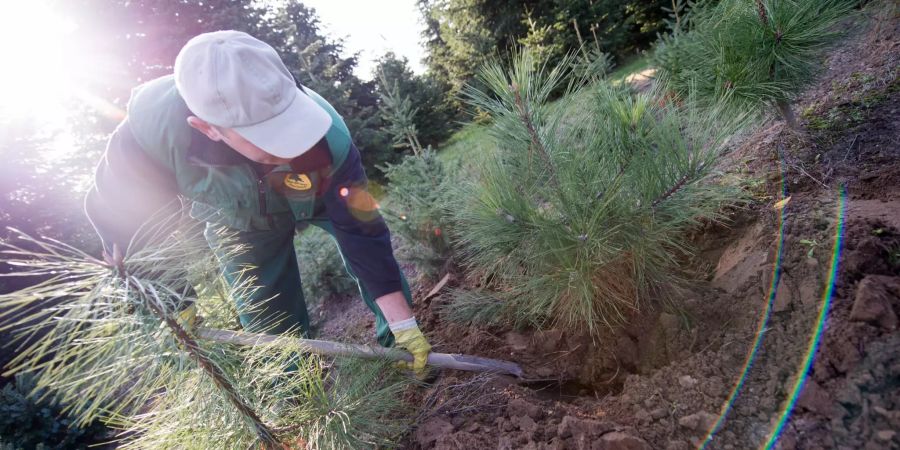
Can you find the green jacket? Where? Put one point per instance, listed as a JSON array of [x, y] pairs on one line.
[[154, 155], [154, 158]]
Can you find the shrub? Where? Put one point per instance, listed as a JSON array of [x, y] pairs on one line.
[[592, 65], [577, 218], [321, 267], [751, 54], [418, 191], [30, 417]]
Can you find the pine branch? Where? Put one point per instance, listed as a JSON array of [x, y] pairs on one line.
[[616, 179], [784, 107], [761, 10], [671, 191], [264, 434], [100, 341], [536, 143]]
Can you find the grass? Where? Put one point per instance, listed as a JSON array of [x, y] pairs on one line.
[[634, 64], [465, 145]]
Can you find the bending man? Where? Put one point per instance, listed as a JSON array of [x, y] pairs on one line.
[[231, 132]]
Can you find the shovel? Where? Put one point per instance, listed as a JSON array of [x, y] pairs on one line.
[[444, 360]]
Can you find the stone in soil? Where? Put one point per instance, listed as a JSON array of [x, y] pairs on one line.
[[618, 440], [874, 300], [701, 421]]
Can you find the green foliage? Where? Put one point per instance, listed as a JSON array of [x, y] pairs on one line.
[[577, 217], [351, 404], [311, 404], [539, 39], [31, 417], [107, 344], [321, 267], [750, 54], [592, 65], [418, 190], [678, 14], [458, 39], [434, 119], [461, 35], [399, 114], [5, 446]]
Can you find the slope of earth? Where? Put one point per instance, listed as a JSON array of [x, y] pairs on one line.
[[668, 379]]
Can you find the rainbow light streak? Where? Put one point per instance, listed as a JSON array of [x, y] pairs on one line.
[[816, 338], [764, 320]]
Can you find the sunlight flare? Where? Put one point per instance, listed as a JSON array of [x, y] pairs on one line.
[[41, 63]]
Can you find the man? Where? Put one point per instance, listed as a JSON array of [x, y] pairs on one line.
[[231, 132]]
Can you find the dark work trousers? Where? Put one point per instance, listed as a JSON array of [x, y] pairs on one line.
[[274, 302]]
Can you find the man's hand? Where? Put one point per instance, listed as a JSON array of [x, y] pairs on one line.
[[407, 334], [187, 318], [415, 342]]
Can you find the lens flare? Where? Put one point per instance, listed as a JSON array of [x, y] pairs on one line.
[[38, 67], [762, 326], [816, 338], [361, 204]]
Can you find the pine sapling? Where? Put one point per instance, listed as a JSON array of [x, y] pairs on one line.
[[751, 53], [591, 230], [108, 342]]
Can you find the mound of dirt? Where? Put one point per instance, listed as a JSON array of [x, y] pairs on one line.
[[513, 417]]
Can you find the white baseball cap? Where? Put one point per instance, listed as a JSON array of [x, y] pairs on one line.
[[233, 80]]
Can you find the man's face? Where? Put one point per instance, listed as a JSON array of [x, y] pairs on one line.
[[236, 142], [248, 149]]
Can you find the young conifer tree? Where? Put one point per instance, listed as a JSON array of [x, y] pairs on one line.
[[418, 190], [109, 343], [399, 114], [751, 53], [577, 219]]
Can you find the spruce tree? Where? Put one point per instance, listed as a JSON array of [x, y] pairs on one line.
[[399, 115], [418, 192]]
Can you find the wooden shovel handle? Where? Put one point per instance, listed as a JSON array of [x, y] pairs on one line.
[[445, 360]]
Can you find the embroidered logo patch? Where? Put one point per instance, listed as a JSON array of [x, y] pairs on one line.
[[298, 181]]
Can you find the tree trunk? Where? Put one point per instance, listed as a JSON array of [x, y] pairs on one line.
[[536, 143], [788, 114]]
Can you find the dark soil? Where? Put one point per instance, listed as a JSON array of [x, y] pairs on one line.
[[664, 381]]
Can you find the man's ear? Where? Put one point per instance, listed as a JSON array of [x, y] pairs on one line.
[[205, 127]]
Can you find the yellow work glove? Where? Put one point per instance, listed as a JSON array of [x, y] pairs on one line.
[[408, 336], [187, 317]]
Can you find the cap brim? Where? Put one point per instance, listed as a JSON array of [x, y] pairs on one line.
[[291, 133]]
